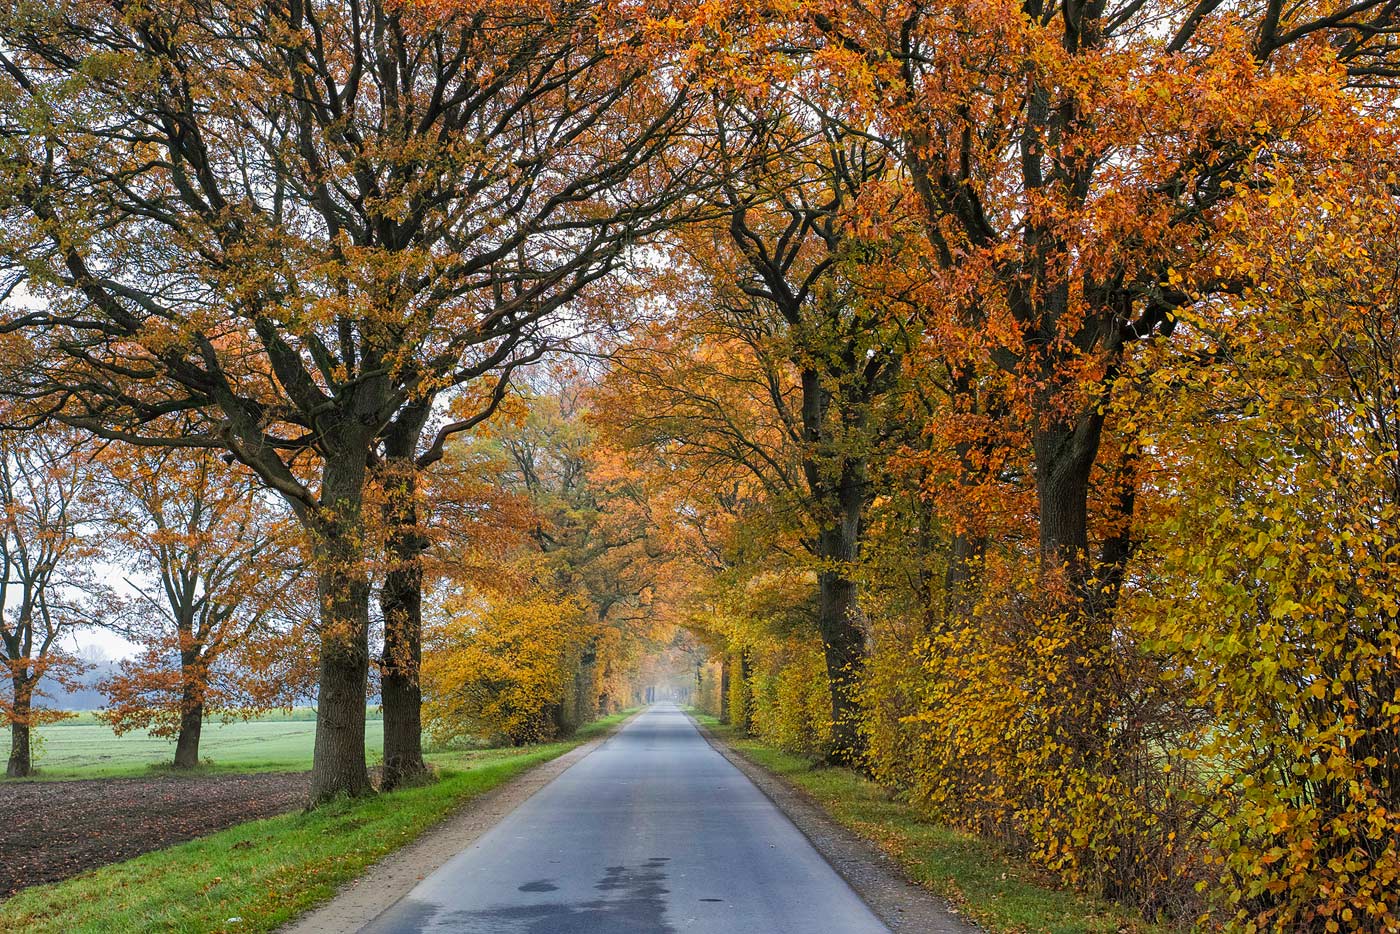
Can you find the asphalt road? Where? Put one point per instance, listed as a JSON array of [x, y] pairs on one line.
[[654, 832]]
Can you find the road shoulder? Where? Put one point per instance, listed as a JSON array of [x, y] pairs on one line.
[[371, 894], [903, 905]]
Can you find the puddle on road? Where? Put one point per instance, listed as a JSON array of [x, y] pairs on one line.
[[634, 903]]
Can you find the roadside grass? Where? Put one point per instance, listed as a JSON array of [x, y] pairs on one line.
[[261, 874], [997, 891]]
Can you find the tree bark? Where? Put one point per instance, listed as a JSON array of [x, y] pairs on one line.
[[400, 689], [837, 480], [844, 647], [1064, 461], [745, 672], [187, 743], [193, 676], [401, 603], [338, 760], [21, 759], [838, 617]]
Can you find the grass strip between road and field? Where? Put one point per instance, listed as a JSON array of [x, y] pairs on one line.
[[997, 891], [261, 874]]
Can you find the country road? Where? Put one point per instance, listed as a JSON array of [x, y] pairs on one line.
[[653, 832]]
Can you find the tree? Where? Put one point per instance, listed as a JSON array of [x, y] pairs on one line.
[[47, 487], [548, 631], [500, 664], [1075, 168], [219, 575], [301, 223], [593, 539], [805, 212]]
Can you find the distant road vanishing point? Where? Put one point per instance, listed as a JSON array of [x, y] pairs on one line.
[[653, 832]]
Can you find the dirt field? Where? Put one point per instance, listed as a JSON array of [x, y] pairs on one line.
[[53, 830]]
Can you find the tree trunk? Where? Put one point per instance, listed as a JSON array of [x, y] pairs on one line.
[[960, 579], [724, 687], [400, 689], [745, 673], [1064, 462], [21, 761], [838, 618], [338, 760], [585, 679], [401, 602], [187, 743], [840, 505], [193, 676], [844, 646]]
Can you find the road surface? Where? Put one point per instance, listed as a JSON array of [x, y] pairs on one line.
[[652, 833]]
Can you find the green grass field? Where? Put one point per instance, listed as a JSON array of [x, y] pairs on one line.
[[83, 747]]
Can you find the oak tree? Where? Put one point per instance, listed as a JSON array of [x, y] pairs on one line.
[[301, 222]]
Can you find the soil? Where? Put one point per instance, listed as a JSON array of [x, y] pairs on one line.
[[53, 830]]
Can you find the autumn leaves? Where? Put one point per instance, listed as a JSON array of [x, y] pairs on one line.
[[1012, 383], [1094, 264], [290, 232]]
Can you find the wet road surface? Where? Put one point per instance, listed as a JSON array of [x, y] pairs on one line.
[[652, 833]]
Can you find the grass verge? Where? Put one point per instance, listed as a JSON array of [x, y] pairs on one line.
[[259, 875], [993, 889]]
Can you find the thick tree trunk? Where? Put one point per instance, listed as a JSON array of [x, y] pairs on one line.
[[338, 760], [21, 761], [838, 618], [843, 643], [1065, 456], [1064, 461], [401, 602], [837, 481], [401, 605], [585, 679], [187, 743], [193, 676]]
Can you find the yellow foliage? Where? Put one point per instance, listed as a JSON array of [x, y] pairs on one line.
[[499, 668]]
